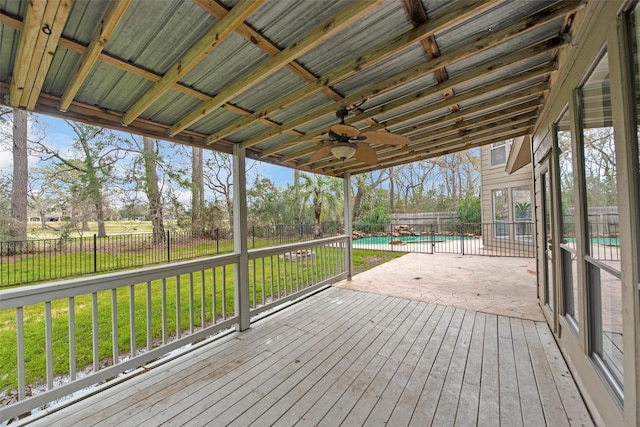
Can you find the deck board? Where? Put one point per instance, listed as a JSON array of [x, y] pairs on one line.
[[344, 357]]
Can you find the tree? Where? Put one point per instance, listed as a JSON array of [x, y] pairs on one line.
[[19, 188], [324, 193], [44, 194], [266, 203], [93, 158], [151, 189], [197, 191], [365, 184], [219, 180]]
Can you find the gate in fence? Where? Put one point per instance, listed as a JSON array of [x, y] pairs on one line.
[[511, 239]]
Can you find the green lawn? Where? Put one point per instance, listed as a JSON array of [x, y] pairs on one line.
[[34, 316]]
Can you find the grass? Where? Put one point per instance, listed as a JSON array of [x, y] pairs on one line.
[[53, 230], [34, 316]]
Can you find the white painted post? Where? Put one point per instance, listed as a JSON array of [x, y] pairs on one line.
[[348, 224], [241, 270]]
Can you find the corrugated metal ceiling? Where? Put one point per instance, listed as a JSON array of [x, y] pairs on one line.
[[275, 82]]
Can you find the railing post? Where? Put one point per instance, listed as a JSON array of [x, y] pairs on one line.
[[217, 240], [348, 225], [168, 246], [301, 232], [462, 237], [253, 236], [95, 253], [241, 269], [433, 240]]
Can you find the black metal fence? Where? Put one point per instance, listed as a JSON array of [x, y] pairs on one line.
[[512, 239], [48, 259]]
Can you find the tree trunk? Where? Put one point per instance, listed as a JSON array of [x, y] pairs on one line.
[[197, 194], [317, 213], [152, 191], [20, 176], [392, 182], [102, 232]]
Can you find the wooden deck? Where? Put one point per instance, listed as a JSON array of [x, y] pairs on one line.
[[351, 358]]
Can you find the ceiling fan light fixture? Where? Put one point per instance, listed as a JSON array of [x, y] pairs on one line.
[[343, 150]]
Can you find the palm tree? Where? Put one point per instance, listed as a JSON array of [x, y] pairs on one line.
[[325, 195]]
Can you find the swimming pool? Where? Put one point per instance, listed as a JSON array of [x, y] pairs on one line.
[[381, 240]]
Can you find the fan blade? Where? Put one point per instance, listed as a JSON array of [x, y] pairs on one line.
[[366, 154], [345, 130], [321, 153], [376, 137]]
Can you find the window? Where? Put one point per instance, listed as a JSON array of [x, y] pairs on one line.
[[602, 249], [568, 252], [521, 200], [498, 153], [500, 200], [634, 42]]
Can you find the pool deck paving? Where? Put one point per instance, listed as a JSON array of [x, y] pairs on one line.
[[498, 285]]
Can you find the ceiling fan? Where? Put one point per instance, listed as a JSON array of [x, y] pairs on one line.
[[346, 141]]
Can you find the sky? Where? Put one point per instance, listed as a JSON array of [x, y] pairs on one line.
[[59, 134]]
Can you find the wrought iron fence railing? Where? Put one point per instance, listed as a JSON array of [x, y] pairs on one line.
[[32, 261], [514, 239]]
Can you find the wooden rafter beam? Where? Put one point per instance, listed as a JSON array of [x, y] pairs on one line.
[[436, 148], [43, 27], [481, 70], [455, 14], [101, 36], [428, 145], [457, 126], [434, 107], [318, 35], [519, 97], [525, 25], [105, 58], [418, 16], [401, 160], [220, 31], [218, 10]]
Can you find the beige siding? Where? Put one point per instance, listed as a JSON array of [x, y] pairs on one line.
[[495, 177]]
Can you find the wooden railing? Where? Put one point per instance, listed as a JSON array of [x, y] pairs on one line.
[[98, 328]]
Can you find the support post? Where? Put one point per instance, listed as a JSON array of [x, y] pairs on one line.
[[240, 244], [348, 225]]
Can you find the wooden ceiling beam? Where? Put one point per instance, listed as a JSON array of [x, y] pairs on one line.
[[508, 60], [218, 10], [443, 103], [44, 23], [31, 27], [105, 58], [101, 36], [458, 126], [459, 115], [336, 23], [453, 15], [419, 148], [456, 144], [418, 15], [400, 161], [220, 31], [525, 25]]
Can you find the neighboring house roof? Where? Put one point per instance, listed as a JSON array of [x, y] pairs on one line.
[[271, 74]]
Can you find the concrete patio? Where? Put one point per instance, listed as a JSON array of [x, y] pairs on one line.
[[498, 285]]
